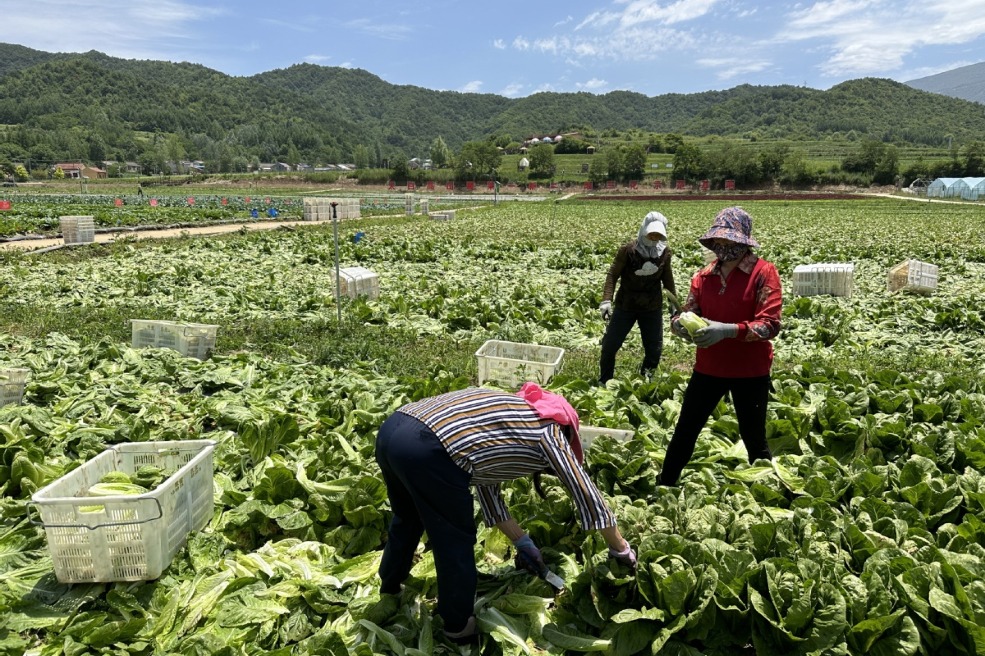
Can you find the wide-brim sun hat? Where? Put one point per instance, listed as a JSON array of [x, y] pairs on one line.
[[732, 223]]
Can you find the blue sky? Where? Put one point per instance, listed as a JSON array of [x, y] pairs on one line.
[[517, 48]]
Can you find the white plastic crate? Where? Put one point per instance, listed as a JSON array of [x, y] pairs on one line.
[[131, 538], [193, 340], [815, 279], [320, 209], [512, 363], [78, 229], [196, 340], [146, 333], [589, 433], [447, 215], [358, 281], [12, 382], [913, 276]]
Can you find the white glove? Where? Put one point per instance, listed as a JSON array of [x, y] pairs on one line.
[[606, 309]]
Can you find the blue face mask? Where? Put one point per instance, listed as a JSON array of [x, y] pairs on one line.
[[729, 252]]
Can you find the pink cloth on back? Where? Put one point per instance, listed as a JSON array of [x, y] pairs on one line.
[[554, 406]]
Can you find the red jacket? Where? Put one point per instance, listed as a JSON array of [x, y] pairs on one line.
[[750, 297]]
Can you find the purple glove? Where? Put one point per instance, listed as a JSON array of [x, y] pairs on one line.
[[528, 555], [627, 557], [714, 332]]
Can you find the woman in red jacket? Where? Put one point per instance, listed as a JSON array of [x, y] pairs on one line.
[[740, 296]]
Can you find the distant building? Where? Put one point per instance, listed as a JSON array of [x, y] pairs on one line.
[[76, 170]]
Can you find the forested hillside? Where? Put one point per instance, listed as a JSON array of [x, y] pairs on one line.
[[93, 107]]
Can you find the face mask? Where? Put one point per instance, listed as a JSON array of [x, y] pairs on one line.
[[729, 252]]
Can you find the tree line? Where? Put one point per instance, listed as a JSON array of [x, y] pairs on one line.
[[94, 108]]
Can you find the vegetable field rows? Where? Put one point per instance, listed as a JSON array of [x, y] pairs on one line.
[[866, 534]]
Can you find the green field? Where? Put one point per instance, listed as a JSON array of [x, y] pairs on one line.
[[865, 534]]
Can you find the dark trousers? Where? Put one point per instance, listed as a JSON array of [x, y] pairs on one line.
[[749, 396], [621, 322], [428, 492]]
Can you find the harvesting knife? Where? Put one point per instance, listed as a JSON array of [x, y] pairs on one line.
[[545, 573], [553, 579]]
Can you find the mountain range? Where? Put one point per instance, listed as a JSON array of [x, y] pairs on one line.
[[94, 102], [966, 82]]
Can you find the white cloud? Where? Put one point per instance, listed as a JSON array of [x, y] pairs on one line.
[[867, 37], [599, 19], [650, 11], [292, 26], [388, 31], [551, 45], [122, 27], [567, 19], [594, 84], [499, 44], [472, 87], [316, 59], [727, 68], [511, 90], [632, 31]]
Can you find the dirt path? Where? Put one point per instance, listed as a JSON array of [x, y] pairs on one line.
[[108, 237]]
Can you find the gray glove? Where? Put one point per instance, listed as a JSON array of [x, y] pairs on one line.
[[605, 308], [714, 332], [678, 329], [627, 557]]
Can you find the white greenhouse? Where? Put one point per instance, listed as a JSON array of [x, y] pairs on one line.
[[976, 189], [947, 188]]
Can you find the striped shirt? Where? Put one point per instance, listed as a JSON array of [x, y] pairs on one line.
[[497, 437]]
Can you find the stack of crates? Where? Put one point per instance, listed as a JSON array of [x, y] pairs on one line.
[[78, 229], [193, 340], [12, 382], [127, 537], [320, 209], [913, 276], [513, 363], [834, 279], [358, 281]]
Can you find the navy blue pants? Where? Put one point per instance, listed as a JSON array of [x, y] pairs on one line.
[[428, 492], [749, 396], [621, 322]]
